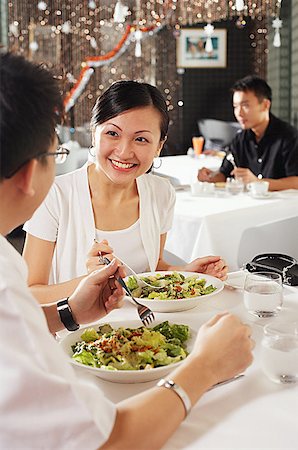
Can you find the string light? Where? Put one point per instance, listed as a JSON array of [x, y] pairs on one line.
[[42, 6], [277, 24], [239, 4], [185, 12], [138, 47], [66, 27], [120, 12], [209, 30]]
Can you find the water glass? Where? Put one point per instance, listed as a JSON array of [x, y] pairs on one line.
[[234, 186], [258, 188], [279, 351], [202, 188], [263, 293]]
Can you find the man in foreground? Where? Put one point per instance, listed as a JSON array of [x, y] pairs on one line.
[[43, 404], [266, 149]]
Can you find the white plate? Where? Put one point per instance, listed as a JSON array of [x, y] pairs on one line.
[[261, 196], [122, 376], [184, 303]]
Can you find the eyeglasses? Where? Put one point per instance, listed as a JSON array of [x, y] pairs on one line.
[[60, 157], [60, 154]]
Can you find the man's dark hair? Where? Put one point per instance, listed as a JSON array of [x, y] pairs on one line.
[[30, 108], [254, 84]]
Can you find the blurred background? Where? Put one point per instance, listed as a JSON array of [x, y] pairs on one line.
[[91, 44]]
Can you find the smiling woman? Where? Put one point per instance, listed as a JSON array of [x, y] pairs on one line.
[[114, 201], [128, 143]]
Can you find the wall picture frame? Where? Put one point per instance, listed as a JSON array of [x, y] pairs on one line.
[[191, 49]]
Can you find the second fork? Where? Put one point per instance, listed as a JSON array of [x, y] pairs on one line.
[[145, 313]]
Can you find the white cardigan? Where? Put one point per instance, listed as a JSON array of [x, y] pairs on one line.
[[66, 217]]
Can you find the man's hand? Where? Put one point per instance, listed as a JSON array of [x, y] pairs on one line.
[[225, 346], [204, 174], [97, 294], [245, 174], [211, 265]]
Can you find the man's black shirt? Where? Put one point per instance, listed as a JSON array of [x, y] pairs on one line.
[[274, 156]]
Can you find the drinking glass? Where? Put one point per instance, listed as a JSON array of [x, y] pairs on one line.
[[258, 188], [234, 186], [263, 293], [279, 351], [198, 144]]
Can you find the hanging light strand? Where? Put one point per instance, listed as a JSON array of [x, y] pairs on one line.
[[184, 12]]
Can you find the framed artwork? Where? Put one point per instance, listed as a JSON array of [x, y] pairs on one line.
[[191, 49]]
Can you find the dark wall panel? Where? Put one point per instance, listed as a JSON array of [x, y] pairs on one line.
[[206, 92]]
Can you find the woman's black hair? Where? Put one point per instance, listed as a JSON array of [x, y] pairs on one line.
[[124, 95]]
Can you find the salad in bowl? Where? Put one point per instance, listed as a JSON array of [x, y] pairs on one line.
[[175, 291], [129, 353]]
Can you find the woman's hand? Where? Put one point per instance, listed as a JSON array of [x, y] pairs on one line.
[[97, 249], [211, 265], [97, 294]]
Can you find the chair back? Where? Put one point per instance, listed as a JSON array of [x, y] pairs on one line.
[[171, 258], [276, 237], [219, 132]]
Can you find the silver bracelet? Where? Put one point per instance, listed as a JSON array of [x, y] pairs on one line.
[[170, 384]]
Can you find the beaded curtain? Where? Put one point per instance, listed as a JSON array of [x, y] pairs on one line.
[[63, 34]]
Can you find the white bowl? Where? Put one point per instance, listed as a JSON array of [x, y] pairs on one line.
[[183, 304], [122, 376]]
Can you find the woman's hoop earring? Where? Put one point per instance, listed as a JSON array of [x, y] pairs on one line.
[[90, 151], [159, 162]]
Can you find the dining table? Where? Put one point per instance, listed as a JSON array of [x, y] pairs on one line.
[[251, 412], [219, 223], [183, 169]]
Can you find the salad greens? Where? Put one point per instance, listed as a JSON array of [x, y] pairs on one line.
[[173, 286], [132, 348]]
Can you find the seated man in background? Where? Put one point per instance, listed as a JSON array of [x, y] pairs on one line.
[[43, 403], [266, 148]]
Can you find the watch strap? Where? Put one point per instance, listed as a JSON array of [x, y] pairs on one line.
[[66, 316]]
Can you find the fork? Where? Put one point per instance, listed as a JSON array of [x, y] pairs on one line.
[[132, 271], [145, 313], [135, 274]]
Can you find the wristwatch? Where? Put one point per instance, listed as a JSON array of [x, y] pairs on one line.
[[66, 316]]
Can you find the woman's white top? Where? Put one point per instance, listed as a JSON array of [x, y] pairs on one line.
[[129, 246], [44, 404], [66, 217]]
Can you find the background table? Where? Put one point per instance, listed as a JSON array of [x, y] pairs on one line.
[[250, 413], [184, 169], [217, 225], [235, 227]]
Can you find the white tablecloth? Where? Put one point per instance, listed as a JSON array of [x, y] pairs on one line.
[[250, 413], [215, 225], [218, 224], [185, 168]]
